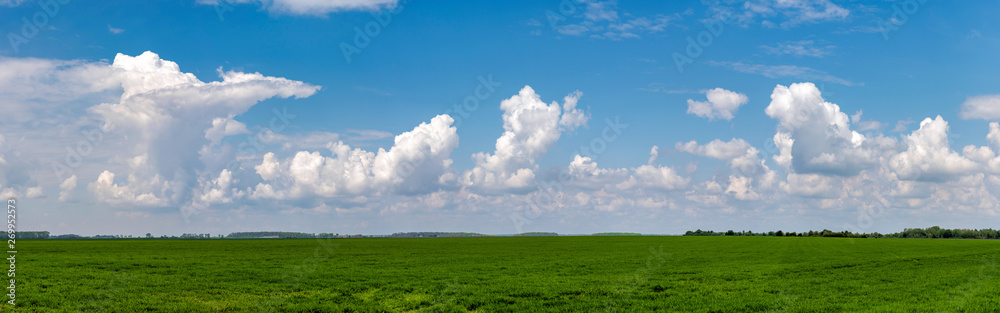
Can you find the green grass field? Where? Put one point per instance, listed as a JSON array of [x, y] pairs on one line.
[[555, 274]]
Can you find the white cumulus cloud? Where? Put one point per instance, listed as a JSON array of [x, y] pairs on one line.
[[928, 155], [531, 127], [721, 104], [819, 134], [167, 117], [418, 162], [986, 107]]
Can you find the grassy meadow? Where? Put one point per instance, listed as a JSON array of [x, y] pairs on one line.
[[510, 274]]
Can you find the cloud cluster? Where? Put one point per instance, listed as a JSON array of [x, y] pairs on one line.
[[168, 117], [531, 127], [418, 162], [748, 171], [168, 135]]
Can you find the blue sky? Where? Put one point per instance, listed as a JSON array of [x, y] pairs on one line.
[[175, 153]]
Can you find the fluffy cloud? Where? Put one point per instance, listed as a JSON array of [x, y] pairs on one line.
[[721, 104], [811, 185], [749, 173], [586, 174], [531, 127], [783, 142], [166, 128], [34, 192], [993, 137], [106, 190], [418, 162], [67, 186], [928, 155], [819, 134], [655, 177], [986, 156], [986, 107], [741, 188], [220, 189], [310, 7], [716, 149], [168, 117], [40, 89]]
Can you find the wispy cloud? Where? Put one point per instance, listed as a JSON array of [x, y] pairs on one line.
[[115, 31], [603, 20], [12, 3], [802, 48], [779, 71], [780, 13], [310, 7]]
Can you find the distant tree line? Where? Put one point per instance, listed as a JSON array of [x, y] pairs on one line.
[[112, 236], [32, 235], [938, 232], [270, 234], [616, 234], [67, 236], [332, 235], [536, 234], [196, 236], [931, 232], [433, 234]]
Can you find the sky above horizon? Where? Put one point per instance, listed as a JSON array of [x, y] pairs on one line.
[[570, 116]]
